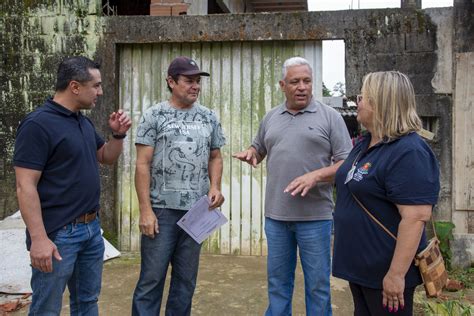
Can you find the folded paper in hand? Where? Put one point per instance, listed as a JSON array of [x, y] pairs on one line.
[[200, 222]]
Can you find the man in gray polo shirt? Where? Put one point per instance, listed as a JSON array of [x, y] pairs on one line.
[[305, 142]]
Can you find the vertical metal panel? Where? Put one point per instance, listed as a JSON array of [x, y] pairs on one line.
[[226, 112], [243, 86], [463, 116], [125, 185], [235, 142]]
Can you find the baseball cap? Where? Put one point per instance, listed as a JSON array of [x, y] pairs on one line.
[[184, 66]]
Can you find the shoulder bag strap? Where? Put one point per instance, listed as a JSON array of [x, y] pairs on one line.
[[380, 224], [373, 217]]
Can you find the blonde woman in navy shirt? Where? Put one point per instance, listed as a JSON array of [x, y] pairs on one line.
[[395, 175]]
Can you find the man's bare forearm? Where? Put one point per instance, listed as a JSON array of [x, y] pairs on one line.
[[142, 185], [327, 174], [111, 151], [30, 208], [29, 201], [216, 166]]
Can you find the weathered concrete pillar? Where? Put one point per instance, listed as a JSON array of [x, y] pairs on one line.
[[410, 4], [463, 3]]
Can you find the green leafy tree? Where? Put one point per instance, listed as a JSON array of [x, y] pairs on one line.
[[326, 91], [340, 89]]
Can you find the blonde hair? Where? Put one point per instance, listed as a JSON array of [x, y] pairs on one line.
[[391, 95]]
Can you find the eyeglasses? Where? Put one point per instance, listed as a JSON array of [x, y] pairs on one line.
[[359, 98]]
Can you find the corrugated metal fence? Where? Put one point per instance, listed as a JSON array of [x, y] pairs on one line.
[[243, 86]]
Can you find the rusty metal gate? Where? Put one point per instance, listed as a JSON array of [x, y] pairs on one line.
[[243, 86]]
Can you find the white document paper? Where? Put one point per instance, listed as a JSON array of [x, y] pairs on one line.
[[200, 222]]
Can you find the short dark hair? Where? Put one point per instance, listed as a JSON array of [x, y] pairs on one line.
[[74, 68], [175, 79]]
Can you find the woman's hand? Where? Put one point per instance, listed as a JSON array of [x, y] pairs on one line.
[[393, 287], [409, 234]]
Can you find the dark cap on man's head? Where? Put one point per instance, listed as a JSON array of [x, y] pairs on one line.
[[184, 66]]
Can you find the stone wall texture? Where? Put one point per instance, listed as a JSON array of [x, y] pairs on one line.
[[35, 36]]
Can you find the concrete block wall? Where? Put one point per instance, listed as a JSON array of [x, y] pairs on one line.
[[36, 35], [406, 40]]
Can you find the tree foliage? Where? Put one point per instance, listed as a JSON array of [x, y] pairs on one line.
[[339, 89], [326, 91]]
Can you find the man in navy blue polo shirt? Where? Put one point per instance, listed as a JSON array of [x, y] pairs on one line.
[[56, 159]]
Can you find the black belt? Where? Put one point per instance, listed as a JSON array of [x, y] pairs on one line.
[[86, 218]]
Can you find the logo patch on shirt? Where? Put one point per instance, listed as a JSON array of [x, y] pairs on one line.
[[365, 168], [362, 171]]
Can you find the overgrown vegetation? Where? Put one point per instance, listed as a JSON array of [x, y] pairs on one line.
[[449, 304], [465, 276], [112, 238], [444, 231], [448, 308]]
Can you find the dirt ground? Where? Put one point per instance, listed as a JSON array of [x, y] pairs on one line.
[[227, 285]]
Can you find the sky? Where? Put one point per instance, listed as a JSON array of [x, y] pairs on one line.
[[333, 51]]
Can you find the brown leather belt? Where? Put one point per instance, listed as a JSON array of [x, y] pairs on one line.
[[86, 218]]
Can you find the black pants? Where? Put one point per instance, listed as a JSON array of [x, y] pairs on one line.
[[368, 302]]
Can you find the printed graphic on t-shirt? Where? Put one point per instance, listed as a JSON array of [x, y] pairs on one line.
[[185, 155], [182, 141], [362, 171]]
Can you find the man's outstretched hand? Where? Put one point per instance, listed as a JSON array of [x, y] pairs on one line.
[[249, 156]]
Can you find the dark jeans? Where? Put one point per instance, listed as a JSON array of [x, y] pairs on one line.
[[368, 302], [171, 245]]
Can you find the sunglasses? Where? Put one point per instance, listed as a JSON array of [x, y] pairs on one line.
[[359, 98]]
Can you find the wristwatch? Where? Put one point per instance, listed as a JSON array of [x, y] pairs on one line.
[[119, 136]]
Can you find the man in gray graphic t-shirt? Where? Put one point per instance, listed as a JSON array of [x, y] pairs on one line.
[[178, 161]]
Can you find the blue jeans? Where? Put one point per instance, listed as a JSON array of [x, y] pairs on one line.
[[171, 245], [313, 239], [82, 250]]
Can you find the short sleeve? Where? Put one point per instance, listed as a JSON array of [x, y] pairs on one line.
[[259, 140], [413, 178], [341, 143], [217, 136], [98, 140], [146, 131], [31, 146]]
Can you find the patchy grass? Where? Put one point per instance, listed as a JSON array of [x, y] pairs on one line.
[[111, 238], [126, 258], [466, 276], [459, 303]]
